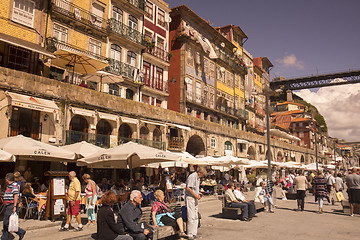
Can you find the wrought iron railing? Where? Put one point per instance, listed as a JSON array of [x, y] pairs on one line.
[[78, 14], [121, 68], [242, 113], [125, 31], [176, 143], [157, 52]]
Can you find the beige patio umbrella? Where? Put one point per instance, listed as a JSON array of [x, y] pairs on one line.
[[103, 77], [6, 157], [83, 149], [127, 155], [77, 62], [25, 148]]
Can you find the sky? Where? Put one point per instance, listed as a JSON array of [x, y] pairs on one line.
[[300, 38]]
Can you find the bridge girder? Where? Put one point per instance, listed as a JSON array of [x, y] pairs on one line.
[[317, 81]]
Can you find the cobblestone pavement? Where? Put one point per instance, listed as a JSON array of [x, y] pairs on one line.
[[285, 223]]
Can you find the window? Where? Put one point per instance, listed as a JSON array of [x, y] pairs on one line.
[[206, 66], [97, 14], [189, 56], [148, 35], [149, 10], [147, 75], [206, 95], [145, 99], [160, 43], [113, 89], [23, 12], [133, 23], [212, 70], [159, 78], [213, 143], [19, 59], [228, 145], [236, 80], [117, 14], [189, 88], [198, 92], [115, 52], [212, 97], [158, 103], [301, 134], [95, 47], [131, 59], [60, 33], [129, 94], [161, 18]]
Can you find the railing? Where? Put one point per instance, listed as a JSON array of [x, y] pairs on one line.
[[242, 113], [79, 14], [176, 143], [150, 143], [125, 31], [158, 52], [120, 68], [97, 139], [138, 3], [155, 83], [53, 44]]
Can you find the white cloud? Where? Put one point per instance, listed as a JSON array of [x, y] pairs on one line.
[[340, 107], [291, 61]]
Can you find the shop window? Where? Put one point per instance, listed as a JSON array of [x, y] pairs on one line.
[[23, 12], [25, 122]]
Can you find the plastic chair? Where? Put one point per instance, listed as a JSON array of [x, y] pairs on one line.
[[26, 204]]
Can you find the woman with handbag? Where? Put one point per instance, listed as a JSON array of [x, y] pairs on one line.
[[91, 196], [162, 216]]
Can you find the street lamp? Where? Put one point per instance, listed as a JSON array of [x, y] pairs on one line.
[[267, 92]]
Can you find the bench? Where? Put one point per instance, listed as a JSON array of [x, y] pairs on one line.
[[235, 213], [346, 207], [163, 231], [291, 196]]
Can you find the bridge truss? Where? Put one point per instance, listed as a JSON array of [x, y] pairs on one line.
[[324, 80]]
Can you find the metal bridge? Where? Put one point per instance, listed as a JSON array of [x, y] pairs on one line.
[[316, 81]]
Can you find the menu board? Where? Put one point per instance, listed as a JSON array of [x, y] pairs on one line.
[[59, 186]]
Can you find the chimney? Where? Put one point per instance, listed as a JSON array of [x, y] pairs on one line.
[[289, 97]]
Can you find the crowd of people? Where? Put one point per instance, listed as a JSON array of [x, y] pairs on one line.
[[325, 185]]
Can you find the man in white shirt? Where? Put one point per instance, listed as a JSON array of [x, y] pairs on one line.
[[331, 187], [241, 198]]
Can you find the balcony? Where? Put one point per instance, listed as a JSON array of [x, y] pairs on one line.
[[119, 68], [96, 139], [241, 113], [150, 143], [78, 17], [176, 143], [155, 83], [260, 112], [125, 31], [140, 4], [157, 52]]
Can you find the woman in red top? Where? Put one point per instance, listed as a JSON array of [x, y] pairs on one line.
[[162, 216]]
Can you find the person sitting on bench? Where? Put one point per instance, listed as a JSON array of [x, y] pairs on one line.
[[241, 198], [234, 203]]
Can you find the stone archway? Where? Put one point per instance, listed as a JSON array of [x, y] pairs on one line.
[[195, 146], [125, 133], [251, 153], [78, 130], [302, 159], [103, 132], [279, 157], [271, 155]]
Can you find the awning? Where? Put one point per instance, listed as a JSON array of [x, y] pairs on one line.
[[108, 116], [179, 126], [25, 44], [242, 141], [129, 120], [82, 112], [33, 103], [153, 123]]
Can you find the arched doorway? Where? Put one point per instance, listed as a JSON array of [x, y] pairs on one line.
[[103, 132], [195, 146], [144, 134], [302, 159], [228, 148], [271, 155], [157, 138], [78, 130], [279, 157], [125, 133], [129, 94], [251, 153]]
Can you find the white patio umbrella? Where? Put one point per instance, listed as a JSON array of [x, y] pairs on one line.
[[168, 164], [25, 148], [311, 166], [103, 77], [255, 164], [290, 164], [6, 157], [234, 160], [83, 149], [127, 155]]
